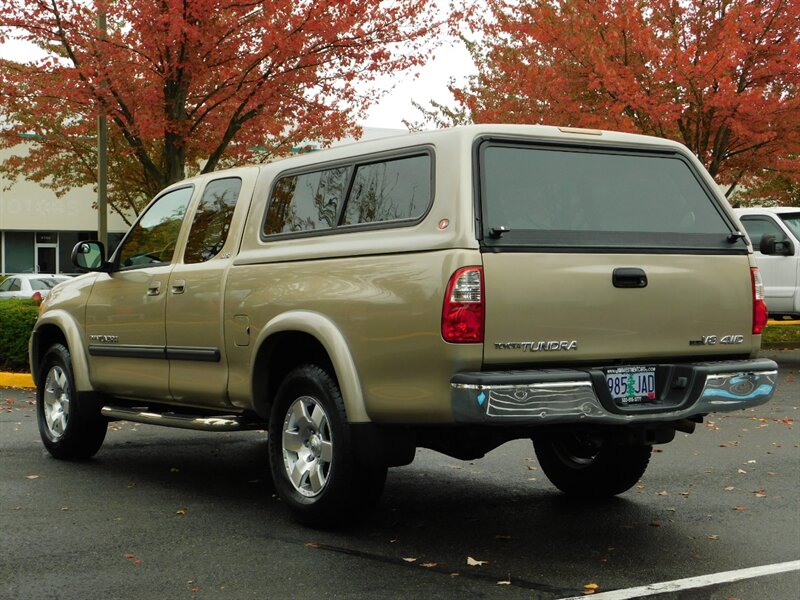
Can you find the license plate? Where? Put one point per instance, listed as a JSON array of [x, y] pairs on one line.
[[632, 385]]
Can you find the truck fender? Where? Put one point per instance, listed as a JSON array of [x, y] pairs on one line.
[[66, 324], [331, 338]]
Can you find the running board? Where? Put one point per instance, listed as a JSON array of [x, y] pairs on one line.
[[182, 421]]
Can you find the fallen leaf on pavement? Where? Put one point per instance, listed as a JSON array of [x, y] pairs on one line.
[[476, 563], [410, 560], [739, 507], [429, 565], [181, 512], [32, 477]]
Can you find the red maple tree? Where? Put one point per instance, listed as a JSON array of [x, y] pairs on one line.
[[190, 85], [720, 76]]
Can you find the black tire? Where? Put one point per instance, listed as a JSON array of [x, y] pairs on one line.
[[311, 453], [71, 427], [582, 465]]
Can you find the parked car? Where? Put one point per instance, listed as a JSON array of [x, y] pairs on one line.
[[453, 290], [34, 286], [775, 234]]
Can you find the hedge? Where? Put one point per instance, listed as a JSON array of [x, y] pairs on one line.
[[17, 318]]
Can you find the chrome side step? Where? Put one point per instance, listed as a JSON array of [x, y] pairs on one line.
[[182, 421]]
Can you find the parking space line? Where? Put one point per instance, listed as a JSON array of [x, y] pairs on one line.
[[693, 582]]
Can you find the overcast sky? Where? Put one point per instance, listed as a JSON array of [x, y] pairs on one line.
[[451, 60]]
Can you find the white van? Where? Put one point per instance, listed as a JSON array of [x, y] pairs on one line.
[[775, 233]]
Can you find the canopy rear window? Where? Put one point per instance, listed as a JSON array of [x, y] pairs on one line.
[[577, 197]]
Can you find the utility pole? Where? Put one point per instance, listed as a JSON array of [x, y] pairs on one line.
[[102, 156]]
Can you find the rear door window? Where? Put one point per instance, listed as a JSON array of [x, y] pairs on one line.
[[212, 220]]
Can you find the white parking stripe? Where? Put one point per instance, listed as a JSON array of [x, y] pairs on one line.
[[692, 582]]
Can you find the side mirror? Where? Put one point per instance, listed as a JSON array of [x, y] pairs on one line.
[[771, 247], [767, 245], [89, 256]]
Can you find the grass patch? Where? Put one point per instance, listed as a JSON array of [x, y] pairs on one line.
[[781, 336]]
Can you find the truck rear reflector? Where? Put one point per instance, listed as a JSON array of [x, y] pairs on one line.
[[464, 308]]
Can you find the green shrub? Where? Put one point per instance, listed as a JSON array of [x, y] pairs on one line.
[[17, 318]]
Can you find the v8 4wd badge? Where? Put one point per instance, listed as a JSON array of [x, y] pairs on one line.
[[713, 340]]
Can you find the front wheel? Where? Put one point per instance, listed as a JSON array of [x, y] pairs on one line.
[[70, 427], [583, 465], [311, 454]]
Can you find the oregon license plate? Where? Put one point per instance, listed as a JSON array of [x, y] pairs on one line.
[[632, 385]]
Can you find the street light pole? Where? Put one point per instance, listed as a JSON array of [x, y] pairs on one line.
[[102, 157]]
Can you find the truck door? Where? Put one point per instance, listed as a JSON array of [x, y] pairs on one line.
[[125, 312], [195, 294]]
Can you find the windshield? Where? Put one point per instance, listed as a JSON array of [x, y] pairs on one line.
[[46, 283], [573, 196], [792, 221]]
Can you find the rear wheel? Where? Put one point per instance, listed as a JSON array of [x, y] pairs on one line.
[[311, 453], [584, 465], [70, 427]]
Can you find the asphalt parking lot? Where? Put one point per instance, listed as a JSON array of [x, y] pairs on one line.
[[162, 513]]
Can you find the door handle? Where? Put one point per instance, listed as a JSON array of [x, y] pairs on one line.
[[154, 288], [629, 277], [178, 286]]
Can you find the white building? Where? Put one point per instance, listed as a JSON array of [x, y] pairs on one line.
[[38, 229]]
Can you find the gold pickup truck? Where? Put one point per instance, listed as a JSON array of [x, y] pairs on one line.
[[452, 290]]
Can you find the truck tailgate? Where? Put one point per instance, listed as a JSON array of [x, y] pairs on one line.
[[557, 307]]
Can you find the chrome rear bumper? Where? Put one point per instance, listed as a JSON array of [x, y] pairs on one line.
[[562, 396]]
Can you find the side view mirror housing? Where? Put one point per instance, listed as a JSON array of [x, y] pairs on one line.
[[771, 247], [90, 256]]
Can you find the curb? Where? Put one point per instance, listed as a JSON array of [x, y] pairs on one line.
[[772, 323], [16, 380]]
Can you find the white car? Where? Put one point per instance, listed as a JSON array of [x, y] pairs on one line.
[[34, 286], [775, 234]]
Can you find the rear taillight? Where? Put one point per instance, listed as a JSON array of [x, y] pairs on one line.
[[463, 309], [760, 314], [37, 298]]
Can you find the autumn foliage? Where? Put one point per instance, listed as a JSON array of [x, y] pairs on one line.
[[720, 76], [192, 84]]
